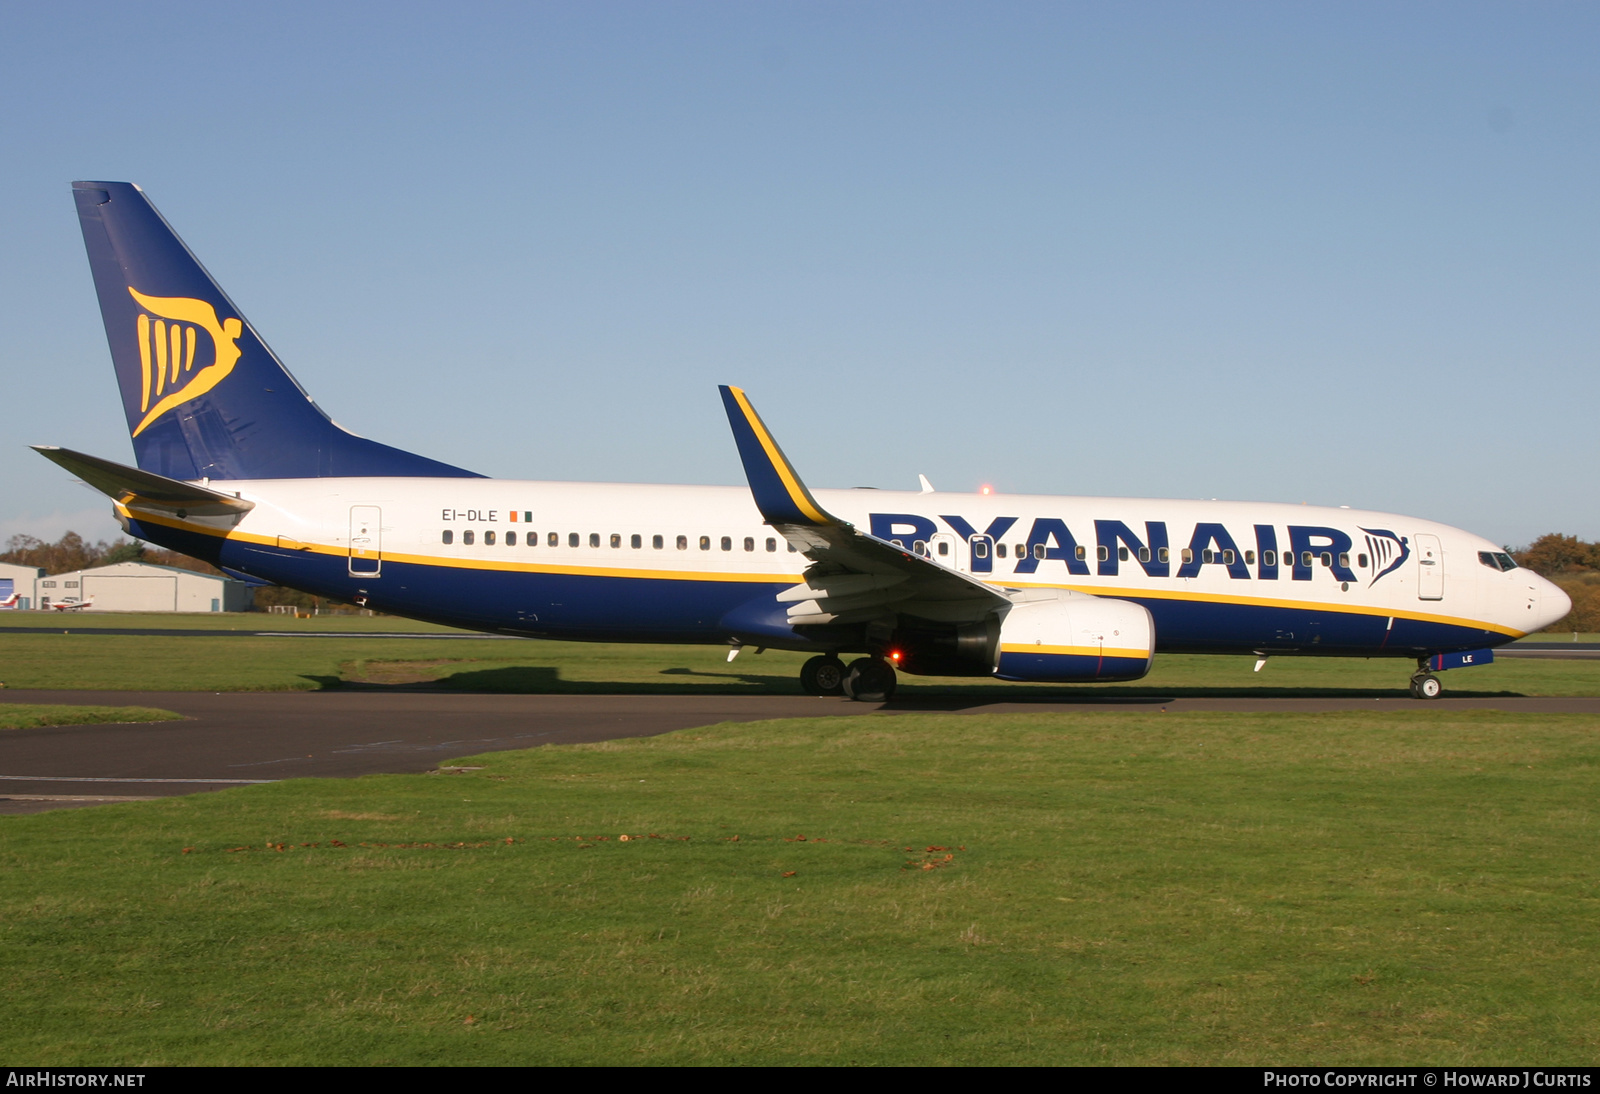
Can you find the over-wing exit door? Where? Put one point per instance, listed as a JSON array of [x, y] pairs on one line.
[[366, 541]]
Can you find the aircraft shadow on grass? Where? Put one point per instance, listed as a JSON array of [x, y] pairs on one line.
[[547, 680]]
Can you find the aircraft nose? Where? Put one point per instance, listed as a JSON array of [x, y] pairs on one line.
[[1554, 603]]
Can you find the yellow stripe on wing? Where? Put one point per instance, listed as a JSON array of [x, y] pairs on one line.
[[798, 494]]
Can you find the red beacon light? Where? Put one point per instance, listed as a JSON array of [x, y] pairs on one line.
[[985, 489]]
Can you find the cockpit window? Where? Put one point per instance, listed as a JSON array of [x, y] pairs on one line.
[[1497, 560]]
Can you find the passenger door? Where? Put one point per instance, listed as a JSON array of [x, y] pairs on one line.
[[1430, 568], [366, 541]]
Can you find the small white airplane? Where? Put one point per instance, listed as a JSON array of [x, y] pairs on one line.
[[11, 601], [71, 605], [236, 465]]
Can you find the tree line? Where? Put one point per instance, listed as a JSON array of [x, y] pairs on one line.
[[1575, 566], [1567, 560]]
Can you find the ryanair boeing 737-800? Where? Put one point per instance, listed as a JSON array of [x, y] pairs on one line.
[[236, 465]]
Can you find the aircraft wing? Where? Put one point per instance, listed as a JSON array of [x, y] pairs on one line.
[[853, 575]]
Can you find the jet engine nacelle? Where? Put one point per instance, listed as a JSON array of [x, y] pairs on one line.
[[1066, 637]]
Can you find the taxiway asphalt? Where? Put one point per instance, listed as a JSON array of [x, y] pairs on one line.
[[238, 738]]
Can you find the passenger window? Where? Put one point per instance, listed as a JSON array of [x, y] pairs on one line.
[[1249, 558], [1022, 552], [1000, 550], [594, 539], [448, 536], [1305, 558], [572, 539], [466, 537], [1208, 556], [657, 542], [553, 540], [1269, 558], [1101, 553], [1144, 554], [1164, 555], [1038, 551], [705, 543], [772, 545], [636, 542], [1122, 554], [488, 537], [511, 539], [616, 539], [727, 543], [980, 548], [920, 547], [1361, 561], [533, 539], [683, 543], [1188, 556], [749, 543], [1081, 552], [1227, 558], [1327, 558], [1344, 559]]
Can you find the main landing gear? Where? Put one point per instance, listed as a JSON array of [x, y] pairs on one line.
[[1425, 685], [823, 675], [867, 679]]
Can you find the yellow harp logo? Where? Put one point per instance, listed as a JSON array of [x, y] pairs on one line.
[[166, 351]]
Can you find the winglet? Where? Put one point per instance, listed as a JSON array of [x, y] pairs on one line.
[[778, 491]]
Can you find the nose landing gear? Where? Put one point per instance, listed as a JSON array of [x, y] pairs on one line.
[[1425, 685]]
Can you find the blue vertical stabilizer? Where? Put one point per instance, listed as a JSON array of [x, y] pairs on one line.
[[204, 396]]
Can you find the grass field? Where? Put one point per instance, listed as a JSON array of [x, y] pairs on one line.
[[33, 715], [36, 657], [1123, 888]]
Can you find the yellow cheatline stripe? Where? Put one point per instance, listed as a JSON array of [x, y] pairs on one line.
[[504, 566], [1268, 602], [1076, 651], [797, 492], [681, 575]]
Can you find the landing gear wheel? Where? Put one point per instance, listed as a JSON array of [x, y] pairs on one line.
[[823, 675], [1426, 686], [869, 681]]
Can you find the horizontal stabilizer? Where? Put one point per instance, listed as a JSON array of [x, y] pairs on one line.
[[145, 490]]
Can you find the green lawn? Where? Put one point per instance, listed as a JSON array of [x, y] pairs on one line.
[[1105, 888], [33, 716], [80, 658]]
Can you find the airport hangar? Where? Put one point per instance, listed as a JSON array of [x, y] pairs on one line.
[[126, 587]]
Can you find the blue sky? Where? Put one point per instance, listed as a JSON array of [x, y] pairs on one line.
[[1345, 254]]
